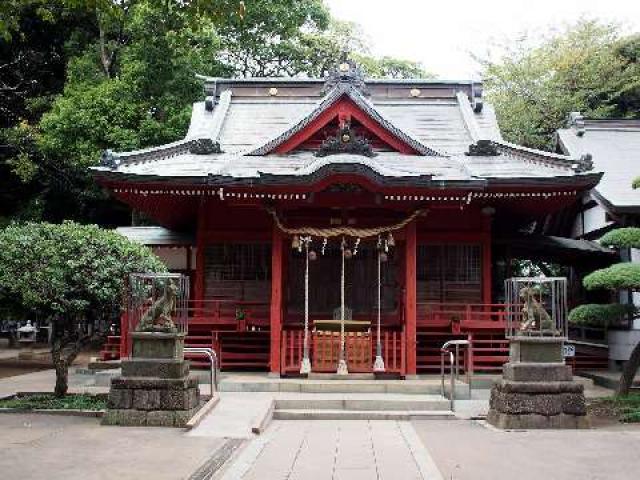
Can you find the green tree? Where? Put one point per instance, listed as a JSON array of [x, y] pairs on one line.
[[129, 72], [587, 68], [621, 276], [73, 274]]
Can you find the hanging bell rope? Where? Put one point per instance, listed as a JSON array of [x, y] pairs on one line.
[[342, 231]]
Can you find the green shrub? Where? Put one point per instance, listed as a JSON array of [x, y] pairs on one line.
[[600, 315], [616, 277], [80, 401], [628, 237]]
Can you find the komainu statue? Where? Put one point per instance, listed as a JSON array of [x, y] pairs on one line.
[[534, 316], [158, 317]]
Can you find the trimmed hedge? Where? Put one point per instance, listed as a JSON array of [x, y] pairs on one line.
[[628, 237], [616, 277], [595, 315]]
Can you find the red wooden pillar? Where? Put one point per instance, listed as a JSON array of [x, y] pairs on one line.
[[124, 334], [486, 257], [276, 300], [200, 256], [410, 297]]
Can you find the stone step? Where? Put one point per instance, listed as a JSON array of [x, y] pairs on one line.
[[406, 387], [354, 403], [312, 414]]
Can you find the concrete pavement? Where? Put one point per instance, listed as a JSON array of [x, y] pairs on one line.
[[48, 447], [467, 450], [348, 449]]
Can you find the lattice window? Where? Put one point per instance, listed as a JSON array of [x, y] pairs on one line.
[[449, 273], [241, 271], [239, 261]]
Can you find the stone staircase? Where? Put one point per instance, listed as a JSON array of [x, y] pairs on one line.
[[357, 398], [363, 406]]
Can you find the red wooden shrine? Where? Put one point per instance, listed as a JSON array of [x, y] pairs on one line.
[[344, 152]]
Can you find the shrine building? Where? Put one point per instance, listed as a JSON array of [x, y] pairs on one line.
[[361, 217]]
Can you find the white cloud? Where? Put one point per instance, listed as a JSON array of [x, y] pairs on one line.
[[442, 34]]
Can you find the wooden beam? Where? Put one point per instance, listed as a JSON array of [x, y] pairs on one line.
[[410, 297], [276, 300]]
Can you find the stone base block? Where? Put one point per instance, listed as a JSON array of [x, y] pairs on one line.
[[536, 349], [160, 368], [536, 421], [543, 403], [537, 372], [148, 418], [154, 394], [537, 405], [149, 383], [157, 345]]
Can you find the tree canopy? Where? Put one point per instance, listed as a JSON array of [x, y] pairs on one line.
[[72, 274], [69, 269], [627, 237], [616, 277], [589, 67], [596, 315], [87, 75]]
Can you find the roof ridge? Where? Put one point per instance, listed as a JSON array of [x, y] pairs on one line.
[[579, 165], [368, 80], [467, 117]]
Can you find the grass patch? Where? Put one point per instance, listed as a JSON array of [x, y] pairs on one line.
[[626, 409], [50, 402]]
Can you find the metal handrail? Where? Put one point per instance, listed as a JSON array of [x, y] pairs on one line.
[[213, 358], [454, 363]]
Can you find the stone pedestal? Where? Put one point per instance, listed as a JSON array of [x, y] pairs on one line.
[[155, 388], [537, 389]]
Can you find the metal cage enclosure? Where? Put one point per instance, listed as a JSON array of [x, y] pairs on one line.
[[536, 307], [158, 302]]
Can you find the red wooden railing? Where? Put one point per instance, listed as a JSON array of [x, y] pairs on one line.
[[291, 351], [229, 313], [325, 350], [393, 351], [456, 317]]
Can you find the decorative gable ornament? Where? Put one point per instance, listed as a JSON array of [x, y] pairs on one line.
[[204, 146], [110, 159], [483, 148], [347, 71], [576, 120], [585, 164], [346, 141]]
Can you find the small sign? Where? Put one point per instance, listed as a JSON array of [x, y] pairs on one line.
[[568, 350]]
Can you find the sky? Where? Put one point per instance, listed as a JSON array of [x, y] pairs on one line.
[[442, 34]]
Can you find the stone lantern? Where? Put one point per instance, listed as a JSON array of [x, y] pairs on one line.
[[27, 339], [537, 388]]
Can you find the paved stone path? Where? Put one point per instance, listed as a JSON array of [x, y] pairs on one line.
[[319, 450], [54, 447], [467, 450]]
